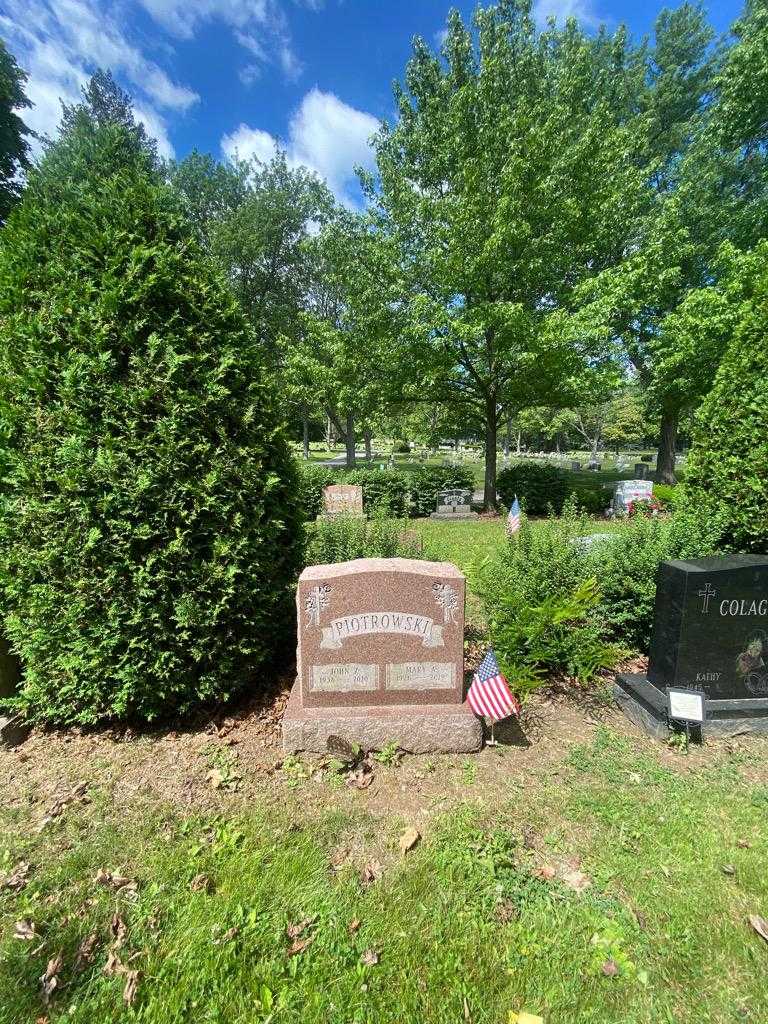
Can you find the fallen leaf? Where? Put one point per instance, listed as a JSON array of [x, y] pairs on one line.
[[369, 958], [409, 839], [79, 792], [546, 872], [506, 911], [119, 930], [339, 857], [610, 968], [372, 872], [293, 931], [577, 880], [49, 979], [114, 964], [665, 871], [353, 925], [201, 883], [228, 935], [525, 1018], [360, 779], [17, 879], [728, 869], [215, 777], [25, 930], [115, 881], [85, 951], [743, 844], [131, 987], [299, 945], [760, 925]]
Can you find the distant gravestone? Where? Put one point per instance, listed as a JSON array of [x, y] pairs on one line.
[[575, 466], [454, 504], [710, 633], [381, 658], [342, 498], [641, 470], [595, 467], [628, 491]]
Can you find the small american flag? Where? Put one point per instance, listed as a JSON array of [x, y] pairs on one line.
[[513, 518], [489, 695]]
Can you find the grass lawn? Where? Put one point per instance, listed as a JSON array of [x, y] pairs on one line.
[[610, 884]]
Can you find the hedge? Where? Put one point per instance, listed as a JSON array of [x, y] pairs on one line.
[[538, 487]]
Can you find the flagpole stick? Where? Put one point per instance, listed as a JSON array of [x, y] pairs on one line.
[[492, 741]]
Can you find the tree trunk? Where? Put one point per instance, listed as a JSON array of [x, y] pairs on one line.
[[508, 440], [350, 440], [519, 443], [328, 432], [367, 439], [305, 432], [491, 428], [665, 460]]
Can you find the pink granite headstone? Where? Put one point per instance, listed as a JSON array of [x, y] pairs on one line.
[[342, 498], [381, 652]]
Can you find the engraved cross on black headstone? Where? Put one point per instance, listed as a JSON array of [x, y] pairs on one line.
[[706, 594]]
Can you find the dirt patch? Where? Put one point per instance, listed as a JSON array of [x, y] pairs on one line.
[[235, 758]]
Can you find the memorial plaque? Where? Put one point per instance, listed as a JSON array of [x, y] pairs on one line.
[[381, 631], [343, 498]]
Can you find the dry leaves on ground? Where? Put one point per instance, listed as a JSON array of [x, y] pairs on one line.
[[228, 935], [353, 925], [25, 930], [409, 839], [369, 958], [131, 987], [295, 931], [118, 931], [86, 951], [372, 872], [760, 925], [78, 792], [202, 883], [17, 879], [114, 880], [49, 979], [610, 968]]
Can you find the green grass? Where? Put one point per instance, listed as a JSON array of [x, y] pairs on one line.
[[653, 840]]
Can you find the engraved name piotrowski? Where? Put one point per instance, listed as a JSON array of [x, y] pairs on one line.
[[422, 627]]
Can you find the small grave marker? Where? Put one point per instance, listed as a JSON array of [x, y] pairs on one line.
[[454, 503], [342, 499]]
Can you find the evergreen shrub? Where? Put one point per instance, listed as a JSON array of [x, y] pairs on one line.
[[539, 487], [149, 535]]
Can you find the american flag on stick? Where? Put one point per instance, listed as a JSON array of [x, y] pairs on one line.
[[489, 695], [513, 518]]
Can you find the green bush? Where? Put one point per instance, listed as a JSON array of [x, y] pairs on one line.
[[149, 534], [594, 500], [428, 481], [401, 447], [538, 486], [384, 490], [313, 479], [343, 537], [666, 494], [727, 470]]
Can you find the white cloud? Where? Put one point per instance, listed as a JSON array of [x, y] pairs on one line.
[[325, 135], [60, 43], [582, 10], [259, 26]]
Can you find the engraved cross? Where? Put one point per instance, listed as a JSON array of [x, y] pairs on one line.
[[705, 594]]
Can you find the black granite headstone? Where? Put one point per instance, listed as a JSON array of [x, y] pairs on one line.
[[711, 626]]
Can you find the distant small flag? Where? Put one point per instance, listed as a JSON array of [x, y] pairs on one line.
[[513, 519], [489, 695]]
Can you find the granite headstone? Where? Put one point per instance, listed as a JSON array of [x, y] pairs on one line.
[[710, 632], [454, 503], [342, 499], [381, 657]]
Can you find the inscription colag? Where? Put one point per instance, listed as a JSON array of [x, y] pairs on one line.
[[367, 623]]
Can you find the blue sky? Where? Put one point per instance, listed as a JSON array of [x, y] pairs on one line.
[[236, 75]]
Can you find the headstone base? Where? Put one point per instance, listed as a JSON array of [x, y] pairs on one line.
[[454, 517], [436, 729], [645, 704]]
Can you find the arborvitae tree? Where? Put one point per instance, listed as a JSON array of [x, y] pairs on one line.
[[148, 526], [726, 478], [14, 144]]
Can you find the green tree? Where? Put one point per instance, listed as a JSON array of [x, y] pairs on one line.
[[14, 134], [726, 479], [148, 527], [504, 182], [210, 191]]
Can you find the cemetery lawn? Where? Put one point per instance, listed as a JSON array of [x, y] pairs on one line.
[[593, 876]]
